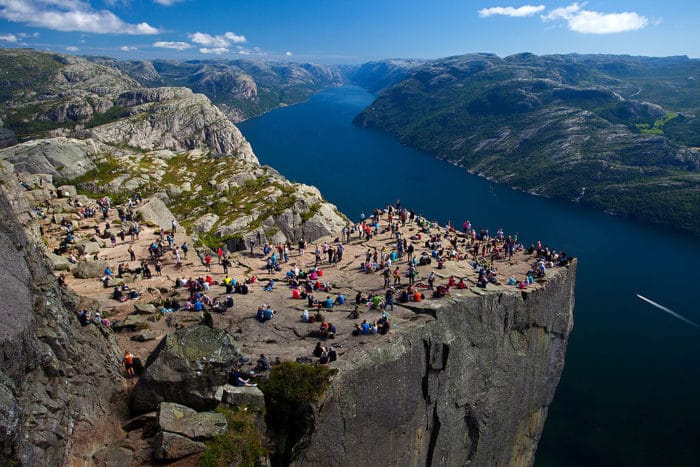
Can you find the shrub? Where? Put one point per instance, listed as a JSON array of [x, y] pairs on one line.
[[242, 444]]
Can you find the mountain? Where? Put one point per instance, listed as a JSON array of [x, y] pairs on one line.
[[378, 75], [241, 88], [617, 133], [91, 125]]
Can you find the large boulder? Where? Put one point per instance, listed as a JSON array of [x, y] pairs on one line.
[[90, 269], [88, 248], [170, 447], [181, 420], [240, 396], [186, 368], [154, 211]]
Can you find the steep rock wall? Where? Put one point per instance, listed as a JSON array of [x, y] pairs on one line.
[[60, 387], [470, 387]]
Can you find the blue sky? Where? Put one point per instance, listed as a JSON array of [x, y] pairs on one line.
[[341, 31]]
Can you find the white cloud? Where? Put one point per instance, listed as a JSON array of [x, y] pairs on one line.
[[72, 48], [565, 12], [69, 15], [8, 38], [288, 53], [218, 41], [235, 38], [167, 2], [126, 48], [525, 10], [25, 35], [595, 22], [215, 50], [244, 52], [172, 45]]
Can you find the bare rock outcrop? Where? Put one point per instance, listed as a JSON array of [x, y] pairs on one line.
[[176, 119], [60, 387], [186, 368], [62, 158]]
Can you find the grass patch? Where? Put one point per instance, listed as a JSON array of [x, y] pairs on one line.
[[242, 444]]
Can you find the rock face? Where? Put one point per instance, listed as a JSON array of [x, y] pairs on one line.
[[181, 420], [471, 388], [63, 158], [60, 386], [175, 119], [186, 368]]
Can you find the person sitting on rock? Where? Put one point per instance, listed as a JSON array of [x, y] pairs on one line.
[[263, 363], [238, 379], [332, 331], [305, 316], [117, 294], [228, 302], [365, 327], [323, 359], [323, 330], [332, 354], [340, 299], [328, 303], [318, 350], [461, 284], [268, 313]]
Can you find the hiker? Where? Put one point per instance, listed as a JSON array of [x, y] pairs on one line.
[[128, 362]]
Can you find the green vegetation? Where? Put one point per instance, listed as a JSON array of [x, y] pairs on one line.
[[296, 383], [242, 444], [556, 125], [289, 392], [657, 127]]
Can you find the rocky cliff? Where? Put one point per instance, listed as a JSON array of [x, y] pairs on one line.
[[60, 386], [469, 387]]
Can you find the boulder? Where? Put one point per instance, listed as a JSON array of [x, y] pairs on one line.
[[131, 323], [154, 211], [181, 420], [186, 368], [143, 336], [57, 262], [205, 223], [67, 191], [144, 309], [241, 396], [170, 447], [88, 248], [90, 269]]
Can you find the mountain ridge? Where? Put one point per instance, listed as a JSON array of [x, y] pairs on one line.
[[619, 134]]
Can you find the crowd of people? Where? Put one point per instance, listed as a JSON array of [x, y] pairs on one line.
[[407, 262]]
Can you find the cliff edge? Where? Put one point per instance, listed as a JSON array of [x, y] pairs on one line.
[[470, 387]]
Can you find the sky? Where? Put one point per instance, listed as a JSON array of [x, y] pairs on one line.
[[344, 31]]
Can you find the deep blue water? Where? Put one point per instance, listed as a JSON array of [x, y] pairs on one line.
[[629, 392]]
